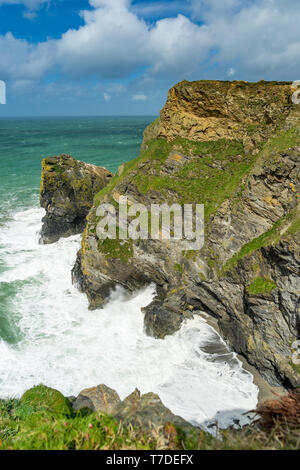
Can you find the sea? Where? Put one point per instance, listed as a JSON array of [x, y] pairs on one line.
[[47, 333]]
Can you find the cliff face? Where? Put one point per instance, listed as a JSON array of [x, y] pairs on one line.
[[213, 110], [67, 191], [234, 147]]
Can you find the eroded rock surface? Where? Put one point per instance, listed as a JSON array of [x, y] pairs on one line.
[[100, 398], [67, 190], [211, 110], [139, 410]]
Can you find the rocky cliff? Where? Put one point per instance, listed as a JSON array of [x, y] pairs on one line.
[[234, 147], [68, 187]]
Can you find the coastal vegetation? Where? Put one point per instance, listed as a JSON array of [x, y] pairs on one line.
[[44, 420]]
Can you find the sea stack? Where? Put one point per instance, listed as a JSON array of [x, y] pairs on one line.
[[67, 190]]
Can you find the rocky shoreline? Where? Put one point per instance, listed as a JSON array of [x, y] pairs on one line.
[[234, 147]]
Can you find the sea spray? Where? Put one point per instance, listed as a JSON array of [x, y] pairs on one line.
[[51, 337]]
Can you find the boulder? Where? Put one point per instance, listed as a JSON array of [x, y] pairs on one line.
[[42, 398], [101, 398], [164, 316]]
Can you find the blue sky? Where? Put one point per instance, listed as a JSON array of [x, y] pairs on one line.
[[120, 57]]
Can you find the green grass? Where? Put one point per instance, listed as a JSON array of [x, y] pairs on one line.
[[272, 236], [254, 245], [157, 149], [115, 248], [58, 168], [200, 180], [282, 142], [294, 227], [261, 285], [178, 267], [42, 430], [42, 398], [216, 171], [197, 181]]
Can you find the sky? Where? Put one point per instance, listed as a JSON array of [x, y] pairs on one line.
[[120, 57]]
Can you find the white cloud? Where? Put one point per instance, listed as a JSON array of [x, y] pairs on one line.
[[139, 97], [117, 88], [260, 37], [31, 4], [23, 86], [106, 96], [231, 72], [111, 43], [30, 15], [20, 59], [161, 8], [210, 9]]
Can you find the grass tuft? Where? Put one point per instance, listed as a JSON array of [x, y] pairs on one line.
[[261, 286]]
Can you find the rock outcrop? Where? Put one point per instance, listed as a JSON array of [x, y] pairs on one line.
[[144, 411], [234, 147], [67, 190], [212, 110], [100, 398]]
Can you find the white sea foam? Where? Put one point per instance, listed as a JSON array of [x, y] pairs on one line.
[[64, 345]]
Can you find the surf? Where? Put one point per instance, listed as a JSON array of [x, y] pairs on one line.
[[53, 338]]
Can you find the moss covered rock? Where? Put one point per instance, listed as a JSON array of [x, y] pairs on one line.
[[42, 398]]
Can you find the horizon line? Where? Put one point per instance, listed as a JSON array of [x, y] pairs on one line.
[[79, 116]]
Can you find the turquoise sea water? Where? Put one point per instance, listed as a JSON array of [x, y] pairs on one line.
[[47, 333], [101, 141], [105, 142]]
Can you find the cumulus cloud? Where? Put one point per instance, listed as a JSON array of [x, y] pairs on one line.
[[162, 8], [111, 43], [23, 60], [260, 37], [139, 97]]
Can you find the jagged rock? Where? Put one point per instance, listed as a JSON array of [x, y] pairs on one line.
[[210, 110], [100, 398], [139, 410], [234, 147], [148, 410], [67, 190], [164, 316]]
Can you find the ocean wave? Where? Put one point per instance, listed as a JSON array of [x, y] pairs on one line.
[[63, 344]]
